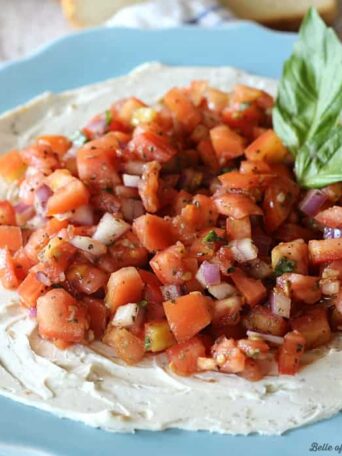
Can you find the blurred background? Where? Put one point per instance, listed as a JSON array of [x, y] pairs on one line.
[[28, 24]]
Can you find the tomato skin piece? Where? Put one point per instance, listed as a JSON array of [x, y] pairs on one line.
[[187, 315], [171, 265], [235, 180], [227, 143], [267, 147], [127, 346], [124, 286], [30, 290], [253, 290], [325, 250], [59, 316], [183, 356], [153, 232], [261, 319], [290, 353], [314, 326], [186, 114], [11, 237], [7, 213], [127, 251], [97, 316], [59, 144], [279, 199], [331, 217], [149, 146], [236, 205]]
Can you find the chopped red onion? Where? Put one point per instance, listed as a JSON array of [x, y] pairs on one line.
[[42, 196], [131, 209], [32, 312], [83, 216], [312, 202], [170, 292], [209, 274], [222, 291], [43, 278], [280, 303], [131, 180], [268, 337], [97, 125], [243, 250], [24, 212], [332, 233]]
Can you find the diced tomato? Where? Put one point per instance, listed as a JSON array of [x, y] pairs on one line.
[[127, 251], [243, 117], [253, 348], [290, 353], [262, 320], [153, 295], [208, 155], [325, 250], [236, 205], [60, 317], [199, 214], [86, 278], [227, 311], [255, 167], [183, 357], [105, 202], [238, 228], [185, 113], [124, 286], [58, 144], [246, 94], [37, 241], [267, 147], [331, 217], [12, 167], [149, 185], [127, 346], [7, 213], [31, 289], [279, 199], [303, 288], [253, 290], [314, 326], [290, 257], [97, 316], [291, 231], [8, 273], [40, 156], [158, 336], [148, 146], [68, 198], [228, 356], [153, 232], [55, 258], [172, 265], [227, 143], [22, 263], [207, 243], [235, 180], [96, 163], [11, 237], [252, 370], [187, 315]]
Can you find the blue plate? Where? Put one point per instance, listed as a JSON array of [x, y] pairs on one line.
[[93, 56]]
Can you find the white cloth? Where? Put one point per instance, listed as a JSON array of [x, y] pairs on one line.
[[171, 13]]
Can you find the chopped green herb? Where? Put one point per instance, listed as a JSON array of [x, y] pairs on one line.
[[284, 265], [147, 343], [231, 269], [227, 169], [143, 303], [109, 117], [79, 138], [213, 237]]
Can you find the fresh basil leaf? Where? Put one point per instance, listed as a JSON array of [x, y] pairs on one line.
[[310, 91], [319, 161]]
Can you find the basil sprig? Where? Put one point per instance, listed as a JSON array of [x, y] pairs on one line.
[[308, 112]]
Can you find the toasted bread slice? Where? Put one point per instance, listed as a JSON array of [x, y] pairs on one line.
[[282, 14]]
